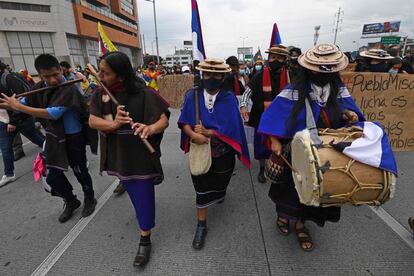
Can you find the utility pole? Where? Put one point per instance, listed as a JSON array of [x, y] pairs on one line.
[[143, 39], [338, 20], [316, 35], [156, 30]]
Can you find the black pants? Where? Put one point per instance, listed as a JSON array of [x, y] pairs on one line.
[[76, 152]]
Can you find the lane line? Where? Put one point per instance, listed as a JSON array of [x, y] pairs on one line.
[[400, 230], [64, 244]]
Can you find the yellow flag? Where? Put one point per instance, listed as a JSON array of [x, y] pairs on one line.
[[105, 44]]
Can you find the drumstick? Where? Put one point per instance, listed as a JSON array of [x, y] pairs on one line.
[[287, 162], [115, 101]]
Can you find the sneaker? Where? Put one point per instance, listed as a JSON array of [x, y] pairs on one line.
[[70, 207], [7, 179], [89, 206]]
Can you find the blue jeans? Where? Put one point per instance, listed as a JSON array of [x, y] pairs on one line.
[[28, 129]]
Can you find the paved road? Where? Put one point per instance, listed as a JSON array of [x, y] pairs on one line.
[[242, 238]]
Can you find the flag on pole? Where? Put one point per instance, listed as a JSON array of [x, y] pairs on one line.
[[275, 40], [198, 44], [105, 44]]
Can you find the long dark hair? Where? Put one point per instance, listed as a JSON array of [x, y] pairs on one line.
[[121, 65], [302, 85]]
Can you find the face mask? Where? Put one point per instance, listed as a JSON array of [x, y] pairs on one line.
[[393, 71], [242, 71], [212, 84], [276, 65], [258, 68], [320, 79]]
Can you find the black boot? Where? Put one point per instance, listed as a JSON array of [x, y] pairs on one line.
[[89, 206], [70, 207], [200, 235], [19, 155], [119, 190], [144, 252], [261, 177]]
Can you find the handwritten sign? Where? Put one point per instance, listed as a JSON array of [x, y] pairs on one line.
[[388, 99], [174, 87]]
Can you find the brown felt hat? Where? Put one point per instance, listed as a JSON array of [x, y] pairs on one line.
[[216, 65], [376, 54], [324, 58], [278, 50]]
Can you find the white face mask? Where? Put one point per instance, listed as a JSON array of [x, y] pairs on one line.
[[393, 71]]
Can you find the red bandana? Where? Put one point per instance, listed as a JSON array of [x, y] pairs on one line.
[[267, 84]]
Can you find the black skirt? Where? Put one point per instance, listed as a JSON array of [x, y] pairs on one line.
[[212, 186], [284, 195]]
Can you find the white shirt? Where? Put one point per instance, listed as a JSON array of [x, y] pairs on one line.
[[321, 93], [209, 100], [4, 116]]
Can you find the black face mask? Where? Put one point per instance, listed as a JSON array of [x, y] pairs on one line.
[[276, 65], [320, 79], [380, 67]]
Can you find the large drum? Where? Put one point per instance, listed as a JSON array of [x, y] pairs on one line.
[[326, 177]]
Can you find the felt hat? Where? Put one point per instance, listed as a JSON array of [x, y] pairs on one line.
[[216, 65], [376, 54], [278, 50], [324, 58]]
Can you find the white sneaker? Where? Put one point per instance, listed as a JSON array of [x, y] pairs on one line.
[[7, 179]]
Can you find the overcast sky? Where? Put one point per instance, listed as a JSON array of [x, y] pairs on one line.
[[224, 22]]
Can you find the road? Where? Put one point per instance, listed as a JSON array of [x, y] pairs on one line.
[[242, 238]]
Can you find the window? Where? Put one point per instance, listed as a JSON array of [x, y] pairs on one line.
[[25, 46], [24, 7], [75, 50], [127, 6]]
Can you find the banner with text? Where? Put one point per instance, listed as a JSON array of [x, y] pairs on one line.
[[388, 99]]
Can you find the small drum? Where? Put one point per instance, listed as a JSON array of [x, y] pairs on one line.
[[325, 177]]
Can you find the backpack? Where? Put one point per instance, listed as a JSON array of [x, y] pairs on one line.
[[23, 81]]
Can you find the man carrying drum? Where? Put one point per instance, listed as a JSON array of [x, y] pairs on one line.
[[332, 107]]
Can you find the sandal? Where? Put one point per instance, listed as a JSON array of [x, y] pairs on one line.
[[411, 223], [283, 226], [304, 238]]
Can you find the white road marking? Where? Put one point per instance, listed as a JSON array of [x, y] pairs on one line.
[[64, 244], [400, 230]]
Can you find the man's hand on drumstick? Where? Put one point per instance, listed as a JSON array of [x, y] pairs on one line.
[[276, 146], [11, 102], [350, 116]]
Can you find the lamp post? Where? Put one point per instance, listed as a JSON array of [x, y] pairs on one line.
[[156, 30]]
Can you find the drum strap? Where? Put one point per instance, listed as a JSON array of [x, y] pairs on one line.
[[311, 125]]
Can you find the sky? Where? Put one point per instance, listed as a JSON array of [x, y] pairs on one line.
[[226, 22]]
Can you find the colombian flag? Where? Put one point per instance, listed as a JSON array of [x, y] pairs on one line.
[[105, 44]]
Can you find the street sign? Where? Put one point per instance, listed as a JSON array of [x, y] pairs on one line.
[[249, 56], [386, 40], [380, 28], [245, 51]]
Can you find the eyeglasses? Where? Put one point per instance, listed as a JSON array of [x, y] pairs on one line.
[[208, 75]]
